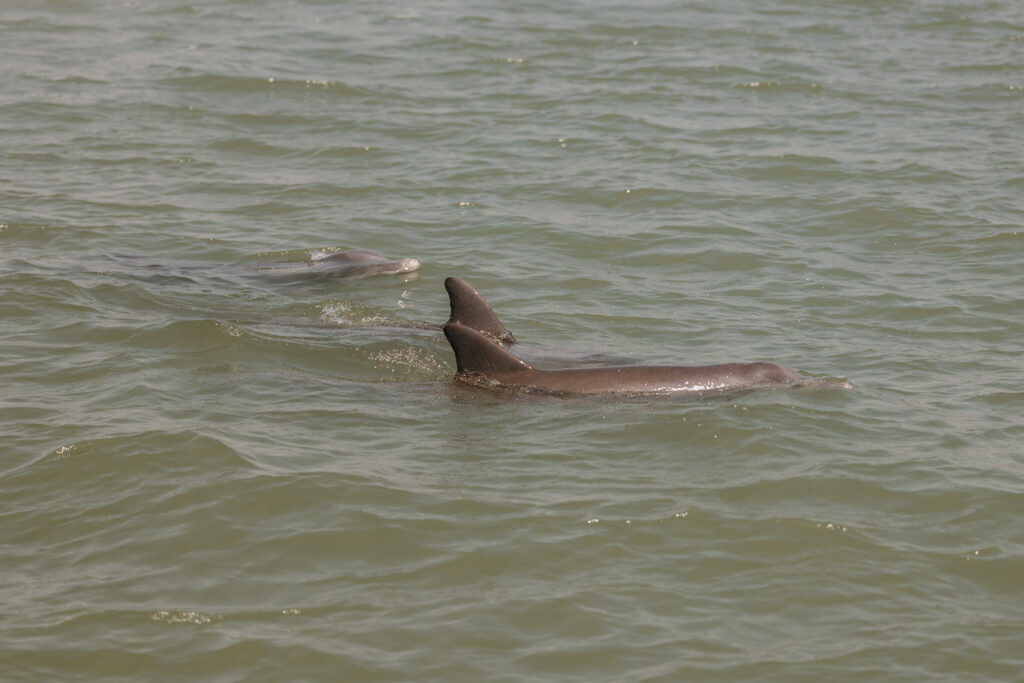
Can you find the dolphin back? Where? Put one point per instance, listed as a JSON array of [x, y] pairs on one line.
[[359, 263]]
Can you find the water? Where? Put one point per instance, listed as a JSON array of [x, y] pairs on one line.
[[211, 475]]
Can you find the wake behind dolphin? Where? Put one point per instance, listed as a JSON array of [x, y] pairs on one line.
[[481, 361]]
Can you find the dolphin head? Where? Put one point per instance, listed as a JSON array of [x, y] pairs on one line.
[[406, 265]]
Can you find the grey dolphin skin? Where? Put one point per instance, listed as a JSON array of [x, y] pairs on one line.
[[484, 363], [352, 264], [470, 309], [358, 263]]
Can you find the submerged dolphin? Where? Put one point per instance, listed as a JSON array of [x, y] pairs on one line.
[[482, 362], [355, 263], [358, 263]]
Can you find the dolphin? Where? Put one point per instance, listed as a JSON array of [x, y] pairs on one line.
[[482, 362], [354, 263], [359, 263]]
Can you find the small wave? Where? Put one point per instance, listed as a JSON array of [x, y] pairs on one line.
[[409, 362], [188, 617], [815, 383], [190, 335], [228, 83], [348, 313], [144, 442]]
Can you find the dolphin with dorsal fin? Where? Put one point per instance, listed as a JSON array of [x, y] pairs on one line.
[[470, 309], [481, 361]]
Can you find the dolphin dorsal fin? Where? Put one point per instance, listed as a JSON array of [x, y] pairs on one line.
[[475, 352], [470, 309]]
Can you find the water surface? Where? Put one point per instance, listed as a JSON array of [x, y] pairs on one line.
[[209, 474]]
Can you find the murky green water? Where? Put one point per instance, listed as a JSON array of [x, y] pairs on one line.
[[212, 475]]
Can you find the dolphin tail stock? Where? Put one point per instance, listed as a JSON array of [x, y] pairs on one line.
[[478, 354], [471, 310]]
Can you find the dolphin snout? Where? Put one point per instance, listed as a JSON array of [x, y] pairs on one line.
[[408, 265]]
